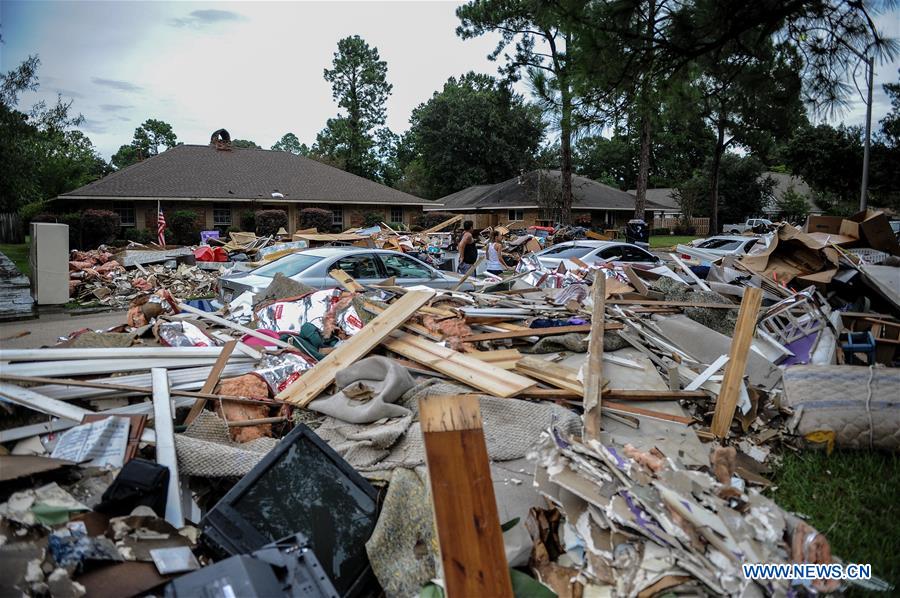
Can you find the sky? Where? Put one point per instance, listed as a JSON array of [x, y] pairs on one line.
[[253, 68]]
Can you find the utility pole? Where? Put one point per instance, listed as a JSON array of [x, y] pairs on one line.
[[864, 187]]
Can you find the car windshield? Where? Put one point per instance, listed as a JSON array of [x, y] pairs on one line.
[[289, 265], [727, 244], [565, 252]]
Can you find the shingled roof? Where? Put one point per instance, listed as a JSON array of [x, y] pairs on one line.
[[521, 192], [204, 173]]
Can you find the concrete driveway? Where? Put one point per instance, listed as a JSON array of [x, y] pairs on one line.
[[46, 329]]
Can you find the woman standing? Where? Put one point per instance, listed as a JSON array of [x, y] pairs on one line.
[[495, 263]]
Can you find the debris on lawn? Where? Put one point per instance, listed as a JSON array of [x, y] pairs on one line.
[[604, 429]]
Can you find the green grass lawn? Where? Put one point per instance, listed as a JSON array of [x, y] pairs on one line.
[[853, 497], [663, 241], [19, 255]]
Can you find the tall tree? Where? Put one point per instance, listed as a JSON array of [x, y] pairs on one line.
[[147, 140], [359, 84], [476, 130], [541, 48], [245, 143], [290, 143], [751, 94]]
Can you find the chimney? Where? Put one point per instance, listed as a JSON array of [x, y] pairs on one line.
[[221, 140]]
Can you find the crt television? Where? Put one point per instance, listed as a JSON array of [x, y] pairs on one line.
[[302, 485]]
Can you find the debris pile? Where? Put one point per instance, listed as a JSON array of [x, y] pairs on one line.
[[606, 429]]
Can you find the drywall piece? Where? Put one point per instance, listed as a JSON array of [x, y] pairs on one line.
[[468, 370], [707, 373], [306, 388], [465, 510], [593, 374], [706, 345], [165, 443], [737, 363]]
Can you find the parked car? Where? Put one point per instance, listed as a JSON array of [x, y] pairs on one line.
[[757, 225], [712, 248], [311, 267], [592, 251]]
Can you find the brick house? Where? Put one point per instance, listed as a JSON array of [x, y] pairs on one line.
[[519, 200], [219, 181]]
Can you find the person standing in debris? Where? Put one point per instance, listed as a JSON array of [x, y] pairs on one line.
[[495, 263], [468, 253]]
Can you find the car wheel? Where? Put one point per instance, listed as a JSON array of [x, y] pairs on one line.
[[735, 231]]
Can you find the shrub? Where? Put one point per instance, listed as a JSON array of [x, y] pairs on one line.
[[73, 219], [269, 221], [183, 228], [372, 219], [429, 219], [140, 235], [660, 232], [682, 229], [99, 227], [248, 221], [397, 226], [234, 229], [32, 210], [316, 218]]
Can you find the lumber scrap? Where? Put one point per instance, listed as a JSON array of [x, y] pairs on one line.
[[212, 381], [346, 281], [637, 282], [459, 366], [462, 491], [632, 410], [306, 388], [469, 273], [552, 373], [593, 375], [615, 394], [651, 303], [526, 332], [442, 225], [733, 379]]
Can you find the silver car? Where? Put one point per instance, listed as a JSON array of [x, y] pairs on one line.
[[589, 251], [311, 267]]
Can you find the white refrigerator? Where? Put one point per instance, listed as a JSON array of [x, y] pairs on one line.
[[49, 263]]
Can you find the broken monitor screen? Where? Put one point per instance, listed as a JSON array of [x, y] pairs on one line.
[[301, 486]]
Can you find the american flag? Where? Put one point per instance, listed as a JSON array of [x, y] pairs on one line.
[[161, 228]]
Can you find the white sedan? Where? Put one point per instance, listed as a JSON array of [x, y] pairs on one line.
[[591, 252], [712, 248]]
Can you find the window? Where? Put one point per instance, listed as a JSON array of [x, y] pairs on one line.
[[724, 244], [125, 212], [221, 215], [289, 265], [404, 267], [359, 266], [626, 253], [515, 215], [337, 218], [396, 214], [567, 251]]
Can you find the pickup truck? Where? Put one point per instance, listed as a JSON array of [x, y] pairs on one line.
[[753, 224]]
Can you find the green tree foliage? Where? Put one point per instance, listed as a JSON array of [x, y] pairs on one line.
[[476, 130], [148, 139], [743, 191], [829, 159], [359, 84], [42, 154], [245, 143], [290, 143], [183, 227], [542, 48], [792, 206]]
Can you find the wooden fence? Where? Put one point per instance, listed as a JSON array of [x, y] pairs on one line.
[[701, 225], [11, 228]]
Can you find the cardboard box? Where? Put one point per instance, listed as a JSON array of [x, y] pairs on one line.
[[830, 225], [873, 230]]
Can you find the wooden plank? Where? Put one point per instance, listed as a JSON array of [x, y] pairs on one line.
[[469, 273], [551, 373], [526, 332], [314, 381], [632, 410], [411, 326], [593, 375], [636, 281], [459, 366], [497, 356], [615, 394], [737, 362], [649, 302], [346, 281], [578, 263], [465, 510], [212, 381], [442, 225]]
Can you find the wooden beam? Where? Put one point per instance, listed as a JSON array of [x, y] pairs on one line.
[[593, 374], [651, 303], [551, 373], [442, 225], [632, 410], [636, 281], [306, 388], [462, 492], [459, 366], [737, 362], [615, 394], [469, 273], [212, 381], [346, 281], [526, 332]]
